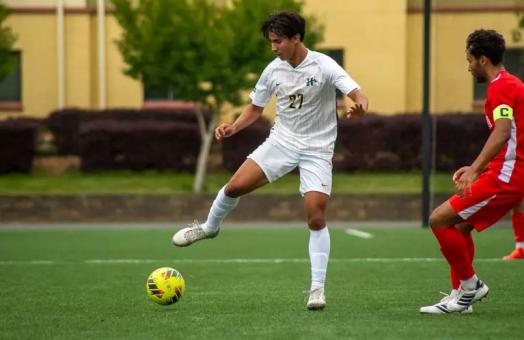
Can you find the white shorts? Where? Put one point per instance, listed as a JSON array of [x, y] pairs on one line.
[[276, 160]]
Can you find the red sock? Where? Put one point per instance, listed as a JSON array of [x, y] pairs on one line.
[[471, 246], [518, 226], [455, 249], [455, 280]]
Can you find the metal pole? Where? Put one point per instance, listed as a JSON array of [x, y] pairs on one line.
[[426, 122], [101, 55], [60, 53]]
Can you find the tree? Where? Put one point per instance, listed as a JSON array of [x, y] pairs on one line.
[[7, 39], [203, 52]]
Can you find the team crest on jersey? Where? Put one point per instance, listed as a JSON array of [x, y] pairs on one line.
[[311, 81]]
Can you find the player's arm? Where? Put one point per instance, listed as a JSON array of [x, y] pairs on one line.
[[464, 177], [249, 115], [361, 103], [344, 83]]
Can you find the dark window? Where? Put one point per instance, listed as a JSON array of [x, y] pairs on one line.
[[338, 55], [11, 86], [513, 62]]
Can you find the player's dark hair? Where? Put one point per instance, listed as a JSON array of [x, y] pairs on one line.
[[285, 23], [487, 43]]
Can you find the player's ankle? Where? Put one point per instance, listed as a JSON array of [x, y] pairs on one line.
[[469, 284], [209, 228]]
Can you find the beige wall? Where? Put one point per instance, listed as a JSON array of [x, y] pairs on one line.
[[37, 41], [452, 85], [39, 87], [381, 39], [373, 35], [78, 76], [122, 91]]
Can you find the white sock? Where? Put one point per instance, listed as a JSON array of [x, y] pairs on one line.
[[222, 205], [519, 245], [454, 292], [469, 284], [319, 246]]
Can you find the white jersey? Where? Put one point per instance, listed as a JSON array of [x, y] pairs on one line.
[[306, 101]]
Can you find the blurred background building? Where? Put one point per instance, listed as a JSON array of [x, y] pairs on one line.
[[66, 54]]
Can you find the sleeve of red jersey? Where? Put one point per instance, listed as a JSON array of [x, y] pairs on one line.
[[502, 97]]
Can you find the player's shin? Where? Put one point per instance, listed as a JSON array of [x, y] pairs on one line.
[[455, 279], [319, 247], [222, 205], [454, 248]]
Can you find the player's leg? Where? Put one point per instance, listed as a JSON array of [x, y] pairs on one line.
[[465, 230], [457, 247], [315, 185], [456, 244], [452, 242], [460, 232], [517, 220], [440, 307], [319, 246], [266, 164], [487, 203], [246, 179]]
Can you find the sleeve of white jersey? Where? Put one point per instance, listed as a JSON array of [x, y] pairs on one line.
[[339, 77], [262, 92]]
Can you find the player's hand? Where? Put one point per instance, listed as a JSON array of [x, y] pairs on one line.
[[356, 110], [463, 179], [458, 173], [224, 130]]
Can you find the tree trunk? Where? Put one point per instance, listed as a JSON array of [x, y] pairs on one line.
[[207, 138]]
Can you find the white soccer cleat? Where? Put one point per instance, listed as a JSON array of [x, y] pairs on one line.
[[195, 232], [442, 307], [317, 299], [465, 298]]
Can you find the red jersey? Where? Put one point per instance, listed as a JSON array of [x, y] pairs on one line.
[[505, 99]]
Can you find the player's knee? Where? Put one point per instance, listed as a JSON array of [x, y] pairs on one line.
[[316, 222], [519, 208], [435, 220], [234, 190], [464, 228]]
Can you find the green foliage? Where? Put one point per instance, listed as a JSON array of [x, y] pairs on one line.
[[203, 51], [7, 39]]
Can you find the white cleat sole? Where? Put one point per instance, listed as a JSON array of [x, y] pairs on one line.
[[441, 310]]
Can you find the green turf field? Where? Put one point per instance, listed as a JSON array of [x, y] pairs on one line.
[[246, 284]]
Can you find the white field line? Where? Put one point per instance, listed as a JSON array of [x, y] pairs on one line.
[[358, 233], [28, 262], [236, 261]]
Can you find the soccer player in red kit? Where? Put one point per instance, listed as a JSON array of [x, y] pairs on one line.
[[493, 184]]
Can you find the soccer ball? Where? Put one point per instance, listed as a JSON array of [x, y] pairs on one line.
[[165, 286]]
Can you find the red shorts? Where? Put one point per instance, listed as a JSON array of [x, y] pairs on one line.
[[489, 201]]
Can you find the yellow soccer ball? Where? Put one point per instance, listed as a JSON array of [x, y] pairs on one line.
[[165, 286]]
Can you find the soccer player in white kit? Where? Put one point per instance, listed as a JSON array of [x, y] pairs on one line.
[[303, 135]]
